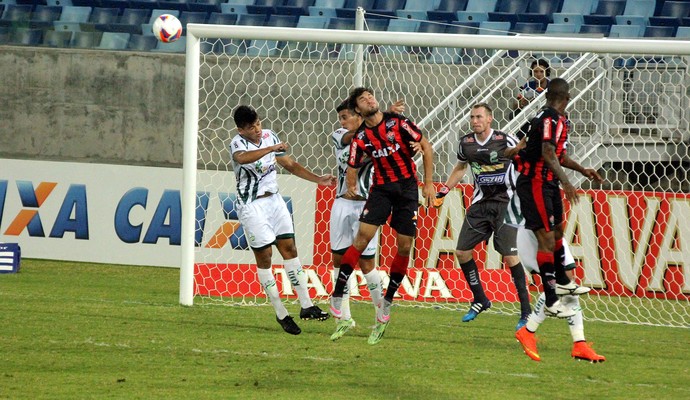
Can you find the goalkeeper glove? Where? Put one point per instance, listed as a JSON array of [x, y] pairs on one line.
[[441, 195]]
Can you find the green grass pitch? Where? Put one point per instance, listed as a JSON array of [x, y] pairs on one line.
[[85, 331]]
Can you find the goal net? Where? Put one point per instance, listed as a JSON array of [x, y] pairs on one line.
[[628, 116]]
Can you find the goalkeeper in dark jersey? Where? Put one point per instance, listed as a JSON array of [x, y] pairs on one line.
[[483, 150]]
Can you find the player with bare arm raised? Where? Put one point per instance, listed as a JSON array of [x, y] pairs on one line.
[[385, 138], [264, 214]]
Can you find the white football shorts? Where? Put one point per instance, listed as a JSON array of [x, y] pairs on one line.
[[345, 223], [527, 250], [265, 218]]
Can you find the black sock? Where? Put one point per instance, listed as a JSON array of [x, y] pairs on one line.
[[469, 269], [548, 279], [393, 285], [559, 264], [341, 280], [518, 274]]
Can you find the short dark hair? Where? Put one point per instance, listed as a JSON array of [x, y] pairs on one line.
[[557, 89], [485, 106], [542, 63], [355, 93], [342, 106], [244, 116]]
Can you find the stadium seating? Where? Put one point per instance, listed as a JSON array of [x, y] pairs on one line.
[[193, 17], [508, 10], [16, 15], [606, 12], [4, 34], [531, 28], [626, 31], [232, 8], [671, 14], [378, 24], [100, 18], [120, 4], [207, 6], [71, 17], [43, 16], [556, 29], [350, 7], [266, 7], [130, 21], [307, 21], [178, 46], [26, 36], [477, 10], [147, 4], [85, 40], [572, 12], [660, 31], [285, 21], [114, 41], [57, 38], [494, 27], [142, 42], [540, 11], [326, 8], [452, 5], [295, 7], [595, 30], [421, 5], [683, 32], [637, 12], [222, 19], [385, 8]]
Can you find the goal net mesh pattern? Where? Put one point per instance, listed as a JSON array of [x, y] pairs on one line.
[[629, 120]]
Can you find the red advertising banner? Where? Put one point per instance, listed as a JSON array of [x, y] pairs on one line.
[[625, 244]]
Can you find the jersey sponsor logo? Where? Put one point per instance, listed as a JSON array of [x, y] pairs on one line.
[[265, 135], [546, 134], [404, 125], [491, 179], [390, 123], [360, 135], [386, 151]]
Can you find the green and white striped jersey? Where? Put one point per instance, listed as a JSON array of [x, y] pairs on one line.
[[342, 154], [259, 177]]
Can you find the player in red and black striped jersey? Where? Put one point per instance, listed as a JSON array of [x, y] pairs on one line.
[[387, 139], [540, 165]]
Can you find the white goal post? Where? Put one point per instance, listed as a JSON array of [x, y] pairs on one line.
[[629, 120]]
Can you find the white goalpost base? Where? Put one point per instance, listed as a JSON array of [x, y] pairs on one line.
[[629, 120]]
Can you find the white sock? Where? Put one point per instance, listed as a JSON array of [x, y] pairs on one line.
[[375, 286], [576, 322], [538, 315], [268, 282], [298, 279]]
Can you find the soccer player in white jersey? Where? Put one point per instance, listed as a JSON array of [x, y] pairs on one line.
[[264, 214], [345, 215]]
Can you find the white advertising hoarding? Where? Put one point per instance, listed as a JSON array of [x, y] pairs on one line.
[[122, 214]]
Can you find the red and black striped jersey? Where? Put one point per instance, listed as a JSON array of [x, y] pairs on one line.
[[547, 126], [387, 144]]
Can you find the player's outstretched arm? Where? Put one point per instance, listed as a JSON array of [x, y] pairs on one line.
[[246, 157], [589, 173], [351, 182], [548, 151], [297, 169], [453, 179], [428, 161]]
